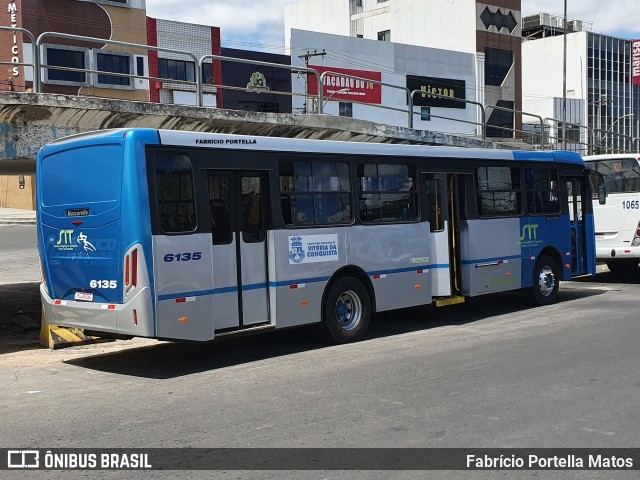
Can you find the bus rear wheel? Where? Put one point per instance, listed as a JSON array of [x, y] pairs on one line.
[[546, 281], [346, 310]]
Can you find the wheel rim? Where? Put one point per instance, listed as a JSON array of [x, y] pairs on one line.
[[546, 281], [348, 310]]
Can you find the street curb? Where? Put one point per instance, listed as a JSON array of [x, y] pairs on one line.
[[16, 222]]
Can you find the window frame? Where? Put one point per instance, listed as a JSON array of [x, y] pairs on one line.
[[415, 192], [87, 65], [519, 192], [115, 3], [312, 193], [168, 79], [384, 35], [527, 190], [96, 76], [194, 193]]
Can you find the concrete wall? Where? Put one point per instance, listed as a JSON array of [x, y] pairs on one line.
[[12, 196], [542, 64], [28, 121], [448, 25], [329, 16]]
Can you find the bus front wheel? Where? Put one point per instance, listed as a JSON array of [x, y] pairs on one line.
[[346, 310], [546, 281]]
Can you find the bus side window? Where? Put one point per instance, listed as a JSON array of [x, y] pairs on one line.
[[434, 199], [252, 218], [219, 208], [175, 193]]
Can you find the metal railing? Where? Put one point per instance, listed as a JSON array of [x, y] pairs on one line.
[[542, 143], [34, 51], [583, 144], [292, 69], [482, 124], [588, 141]]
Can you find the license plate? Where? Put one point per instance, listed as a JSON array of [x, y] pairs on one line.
[[84, 296]]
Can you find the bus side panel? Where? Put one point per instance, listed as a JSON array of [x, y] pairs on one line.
[[297, 280], [440, 262], [491, 254], [183, 268], [590, 236], [553, 232], [394, 258]]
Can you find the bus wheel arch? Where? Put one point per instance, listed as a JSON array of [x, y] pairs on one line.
[[347, 305], [547, 274]]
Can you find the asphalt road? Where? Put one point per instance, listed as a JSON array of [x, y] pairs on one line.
[[489, 373]]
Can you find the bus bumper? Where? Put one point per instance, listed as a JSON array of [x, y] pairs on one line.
[[619, 253], [133, 318]]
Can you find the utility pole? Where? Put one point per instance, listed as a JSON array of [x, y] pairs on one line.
[[564, 82], [308, 105]]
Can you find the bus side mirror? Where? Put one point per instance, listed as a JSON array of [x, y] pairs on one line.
[[602, 194]]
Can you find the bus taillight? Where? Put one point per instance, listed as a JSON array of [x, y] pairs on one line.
[[131, 271], [636, 238], [134, 270], [127, 262]]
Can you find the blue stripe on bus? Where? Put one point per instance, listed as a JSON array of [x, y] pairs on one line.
[[401, 270], [199, 293], [285, 283], [496, 259], [255, 286]]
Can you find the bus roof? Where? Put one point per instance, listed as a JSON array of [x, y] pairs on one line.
[[285, 144], [611, 156]]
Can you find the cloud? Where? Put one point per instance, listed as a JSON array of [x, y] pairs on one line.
[[250, 22], [615, 16], [259, 24]]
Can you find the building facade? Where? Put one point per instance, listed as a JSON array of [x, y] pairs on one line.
[[119, 20], [392, 68], [199, 40], [490, 31], [602, 91], [256, 88]]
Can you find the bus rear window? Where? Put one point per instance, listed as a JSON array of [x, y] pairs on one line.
[[621, 175], [82, 176]]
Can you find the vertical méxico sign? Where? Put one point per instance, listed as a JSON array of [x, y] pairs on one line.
[[12, 9], [635, 62]]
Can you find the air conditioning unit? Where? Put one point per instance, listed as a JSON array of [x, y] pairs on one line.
[[575, 25]]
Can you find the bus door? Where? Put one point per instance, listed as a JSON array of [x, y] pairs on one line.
[[576, 188], [444, 258], [238, 234]]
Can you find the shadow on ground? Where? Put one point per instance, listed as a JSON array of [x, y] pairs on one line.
[[170, 360], [20, 310]]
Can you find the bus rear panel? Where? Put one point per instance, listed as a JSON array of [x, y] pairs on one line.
[[93, 234]]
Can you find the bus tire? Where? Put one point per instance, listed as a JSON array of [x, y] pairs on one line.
[[546, 281], [346, 311]]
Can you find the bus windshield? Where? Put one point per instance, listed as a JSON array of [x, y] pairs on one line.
[[94, 177], [621, 175]]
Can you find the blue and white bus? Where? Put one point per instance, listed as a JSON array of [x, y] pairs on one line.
[[192, 236]]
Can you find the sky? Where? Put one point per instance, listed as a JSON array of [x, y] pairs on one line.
[[259, 24]]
